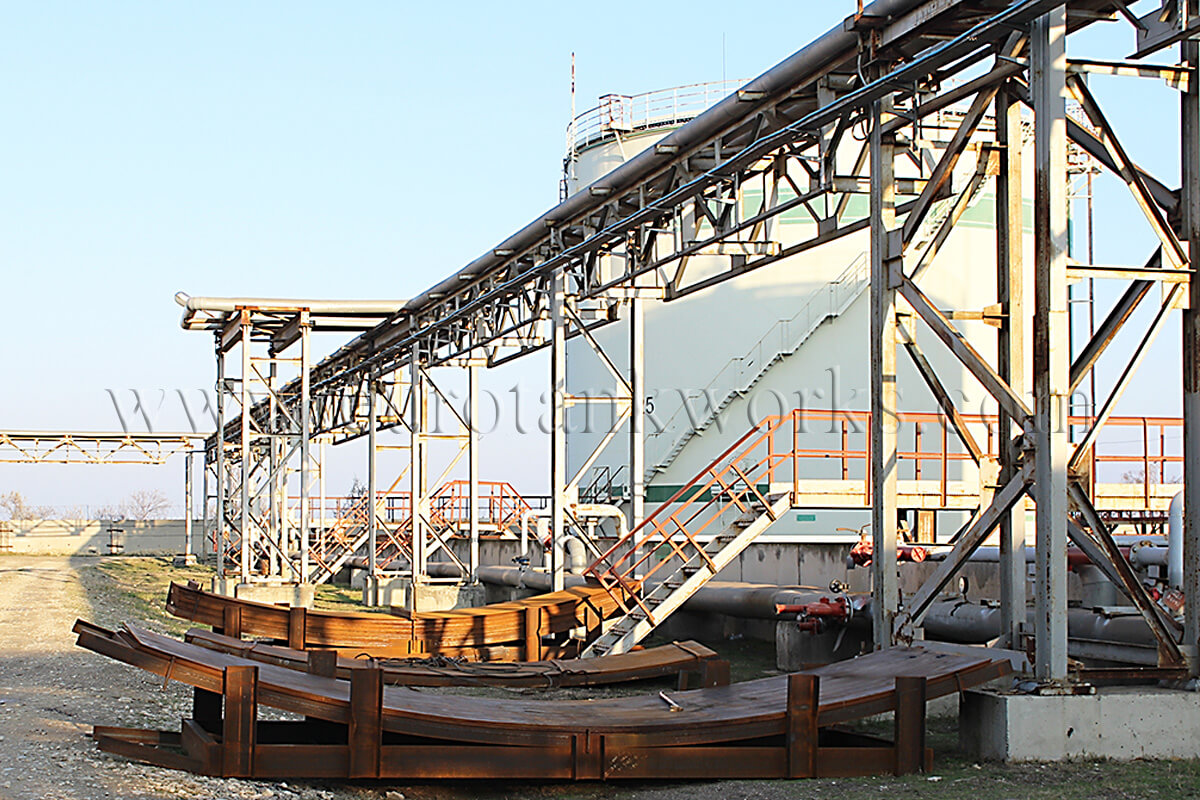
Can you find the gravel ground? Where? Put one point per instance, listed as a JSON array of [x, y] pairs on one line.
[[51, 693]]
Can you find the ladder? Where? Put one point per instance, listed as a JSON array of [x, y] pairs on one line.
[[656, 567]]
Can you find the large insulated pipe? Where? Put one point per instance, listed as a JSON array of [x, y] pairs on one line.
[[372, 308], [807, 64], [527, 515], [576, 553], [964, 622], [1175, 542], [951, 620]]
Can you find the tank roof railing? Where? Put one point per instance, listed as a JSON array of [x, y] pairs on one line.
[[623, 113]]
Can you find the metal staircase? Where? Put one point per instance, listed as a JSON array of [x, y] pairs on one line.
[[350, 531], [449, 513], [686, 541], [785, 337]]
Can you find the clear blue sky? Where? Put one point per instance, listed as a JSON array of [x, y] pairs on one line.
[[313, 149]]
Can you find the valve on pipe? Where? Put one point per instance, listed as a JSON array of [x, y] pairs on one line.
[[817, 616]]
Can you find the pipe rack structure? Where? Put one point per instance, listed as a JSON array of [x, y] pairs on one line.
[[94, 447], [626, 240]]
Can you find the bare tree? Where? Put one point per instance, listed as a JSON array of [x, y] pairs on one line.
[[14, 505], [112, 511], [146, 504]]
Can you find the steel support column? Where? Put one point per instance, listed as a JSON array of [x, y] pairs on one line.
[[187, 504], [1190, 206], [245, 404], [418, 401], [637, 417], [219, 544], [1010, 278], [1051, 355], [558, 419], [372, 582], [305, 537], [884, 423], [473, 469], [203, 497]]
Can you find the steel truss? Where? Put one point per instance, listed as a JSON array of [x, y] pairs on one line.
[[94, 447], [634, 235], [254, 525]]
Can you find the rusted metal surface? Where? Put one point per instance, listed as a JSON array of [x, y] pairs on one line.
[[488, 633], [670, 659], [768, 728]]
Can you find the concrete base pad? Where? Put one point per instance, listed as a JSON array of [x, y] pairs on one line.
[[293, 594], [400, 593], [1117, 722], [796, 649]]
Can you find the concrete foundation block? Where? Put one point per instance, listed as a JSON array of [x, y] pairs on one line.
[[795, 648], [1119, 723], [292, 594], [400, 593]]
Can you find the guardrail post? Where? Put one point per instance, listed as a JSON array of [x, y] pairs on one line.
[[910, 725], [238, 731], [297, 627], [803, 695], [366, 722]]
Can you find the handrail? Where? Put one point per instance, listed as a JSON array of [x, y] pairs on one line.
[[739, 374], [769, 457], [659, 108]]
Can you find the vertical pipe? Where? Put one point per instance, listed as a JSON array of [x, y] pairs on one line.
[[1190, 204], [321, 502], [276, 525], [473, 469], [246, 403], [883, 465], [372, 582], [222, 480], [203, 499], [418, 402], [558, 436], [305, 445], [187, 503], [1050, 354], [637, 418], [1010, 280]]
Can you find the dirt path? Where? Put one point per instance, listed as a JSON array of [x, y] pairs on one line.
[[51, 693]]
